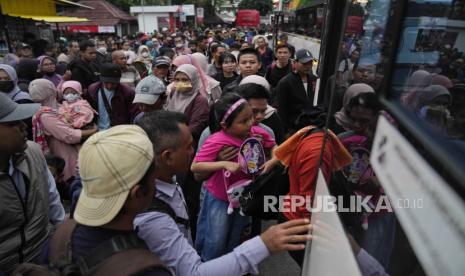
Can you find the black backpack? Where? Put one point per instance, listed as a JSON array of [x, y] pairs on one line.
[[120, 256], [161, 206]]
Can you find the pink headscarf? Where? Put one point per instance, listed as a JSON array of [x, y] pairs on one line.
[[76, 86], [44, 92], [441, 80], [201, 60], [188, 59], [417, 81]]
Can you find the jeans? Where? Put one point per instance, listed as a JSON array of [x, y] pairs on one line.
[[378, 239], [217, 232]]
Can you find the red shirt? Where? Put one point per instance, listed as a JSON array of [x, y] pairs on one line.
[[303, 171]]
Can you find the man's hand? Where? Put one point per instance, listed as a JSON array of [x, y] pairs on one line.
[[227, 153], [288, 236]]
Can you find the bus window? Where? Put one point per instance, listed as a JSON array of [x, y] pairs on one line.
[[304, 21], [362, 52], [429, 72]]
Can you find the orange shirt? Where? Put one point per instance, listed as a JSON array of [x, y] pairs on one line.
[[303, 171]]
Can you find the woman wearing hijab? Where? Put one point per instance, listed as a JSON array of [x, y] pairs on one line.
[[417, 81], [143, 56], [186, 97], [373, 231], [433, 106], [47, 67], [211, 88], [342, 116], [9, 85], [52, 134]]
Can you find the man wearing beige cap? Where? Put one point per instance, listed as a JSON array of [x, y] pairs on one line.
[[168, 236], [115, 190]]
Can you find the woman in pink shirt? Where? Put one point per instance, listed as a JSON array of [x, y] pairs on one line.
[[54, 135]]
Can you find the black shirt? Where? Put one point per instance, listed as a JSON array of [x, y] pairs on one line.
[[223, 80], [84, 72], [274, 74]]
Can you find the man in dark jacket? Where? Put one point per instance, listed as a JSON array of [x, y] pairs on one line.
[[84, 69], [295, 92], [112, 99]]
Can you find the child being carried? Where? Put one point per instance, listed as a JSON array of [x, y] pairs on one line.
[[74, 110]]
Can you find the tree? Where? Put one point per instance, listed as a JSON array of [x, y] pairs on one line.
[[263, 6]]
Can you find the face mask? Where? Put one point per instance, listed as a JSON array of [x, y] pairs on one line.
[[179, 45], [183, 86], [102, 50], [145, 54], [71, 98], [6, 86]]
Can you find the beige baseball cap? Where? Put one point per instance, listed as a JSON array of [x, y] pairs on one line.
[[111, 163]]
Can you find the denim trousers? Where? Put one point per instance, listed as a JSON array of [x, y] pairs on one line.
[[217, 232], [378, 239]]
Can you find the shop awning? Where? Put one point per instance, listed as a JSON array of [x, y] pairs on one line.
[[50, 18], [73, 4]]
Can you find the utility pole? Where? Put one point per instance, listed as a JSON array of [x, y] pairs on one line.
[[277, 16], [143, 14]]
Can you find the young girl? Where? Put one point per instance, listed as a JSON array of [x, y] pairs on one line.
[[232, 123], [74, 110]]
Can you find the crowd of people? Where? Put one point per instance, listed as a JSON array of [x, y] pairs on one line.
[[110, 127]]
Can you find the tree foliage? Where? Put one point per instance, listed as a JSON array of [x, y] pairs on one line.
[[263, 6]]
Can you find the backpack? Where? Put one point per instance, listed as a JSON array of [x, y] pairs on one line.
[[121, 255], [161, 206], [274, 183]]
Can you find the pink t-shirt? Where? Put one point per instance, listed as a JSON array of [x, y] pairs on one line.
[[209, 152]]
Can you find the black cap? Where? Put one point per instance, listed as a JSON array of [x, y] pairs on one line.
[[304, 56], [110, 72], [23, 45]]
